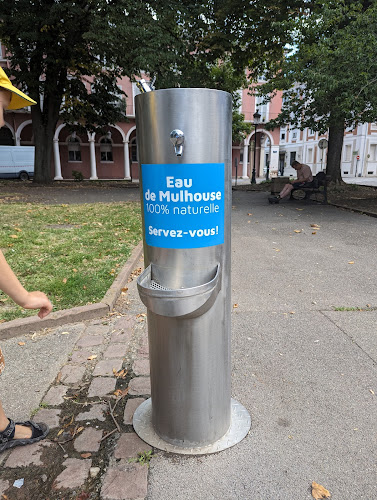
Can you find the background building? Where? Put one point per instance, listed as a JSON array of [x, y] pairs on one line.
[[113, 154]]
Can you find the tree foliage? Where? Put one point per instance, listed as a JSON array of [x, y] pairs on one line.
[[198, 72], [58, 48], [329, 76]]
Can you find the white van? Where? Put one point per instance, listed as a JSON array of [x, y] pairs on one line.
[[17, 162]]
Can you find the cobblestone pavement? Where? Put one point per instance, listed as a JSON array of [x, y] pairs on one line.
[[92, 451]]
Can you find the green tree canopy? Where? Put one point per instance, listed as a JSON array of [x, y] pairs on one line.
[[56, 46], [329, 76]]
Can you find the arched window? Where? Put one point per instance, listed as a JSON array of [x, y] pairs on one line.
[[106, 149], [74, 149], [6, 137], [134, 150]]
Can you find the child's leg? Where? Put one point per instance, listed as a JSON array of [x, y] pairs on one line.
[[21, 432]]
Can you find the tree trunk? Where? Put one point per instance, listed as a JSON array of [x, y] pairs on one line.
[[44, 125], [334, 154]]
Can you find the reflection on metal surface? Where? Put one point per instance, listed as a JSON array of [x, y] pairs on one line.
[[143, 86], [186, 286], [169, 302], [240, 424], [177, 137]]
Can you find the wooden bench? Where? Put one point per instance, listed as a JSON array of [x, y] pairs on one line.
[[317, 192]]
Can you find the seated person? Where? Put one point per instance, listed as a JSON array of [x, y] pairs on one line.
[[304, 179]]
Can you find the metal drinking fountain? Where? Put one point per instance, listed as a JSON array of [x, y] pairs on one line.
[[184, 144]]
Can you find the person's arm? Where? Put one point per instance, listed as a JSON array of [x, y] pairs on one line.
[[10, 285], [305, 179]]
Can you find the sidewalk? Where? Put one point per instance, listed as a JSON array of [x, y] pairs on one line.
[[73, 378], [305, 371]]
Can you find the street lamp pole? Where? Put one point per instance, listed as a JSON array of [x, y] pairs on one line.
[[256, 117]]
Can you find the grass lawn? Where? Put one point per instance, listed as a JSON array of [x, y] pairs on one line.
[[70, 252]]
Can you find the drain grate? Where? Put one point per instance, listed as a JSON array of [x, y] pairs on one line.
[[156, 286]]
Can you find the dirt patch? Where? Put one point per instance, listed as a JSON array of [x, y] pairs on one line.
[[351, 196], [66, 192], [355, 197], [263, 186]]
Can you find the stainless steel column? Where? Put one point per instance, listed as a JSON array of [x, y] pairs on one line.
[[187, 290]]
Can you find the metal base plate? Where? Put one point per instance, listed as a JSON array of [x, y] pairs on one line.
[[239, 427]]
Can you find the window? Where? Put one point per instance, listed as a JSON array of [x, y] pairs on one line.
[[239, 100], [241, 156], [134, 157], [373, 152], [347, 153], [310, 155], [283, 132], [74, 149], [6, 137], [294, 135], [262, 108], [285, 99], [136, 91], [106, 149], [292, 157]]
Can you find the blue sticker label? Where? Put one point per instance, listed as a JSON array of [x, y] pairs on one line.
[[183, 204]]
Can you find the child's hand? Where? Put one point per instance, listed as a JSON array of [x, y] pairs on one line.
[[38, 300]]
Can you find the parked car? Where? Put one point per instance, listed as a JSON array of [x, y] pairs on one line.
[[17, 162]]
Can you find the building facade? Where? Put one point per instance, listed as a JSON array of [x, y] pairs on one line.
[[113, 154]]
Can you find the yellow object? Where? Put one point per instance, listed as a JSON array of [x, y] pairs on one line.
[[19, 99]]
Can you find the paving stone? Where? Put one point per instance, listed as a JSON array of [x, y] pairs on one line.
[[72, 374], [74, 475], [139, 386], [73, 328], [90, 341], [101, 386], [88, 440], [97, 330], [125, 482], [142, 355], [129, 445], [141, 367], [121, 337], [115, 350], [4, 485], [144, 346], [125, 323], [131, 406], [80, 356], [55, 395], [48, 416], [96, 412], [24, 456], [106, 367]]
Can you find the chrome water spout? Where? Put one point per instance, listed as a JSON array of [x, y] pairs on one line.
[[177, 137], [144, 86]]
